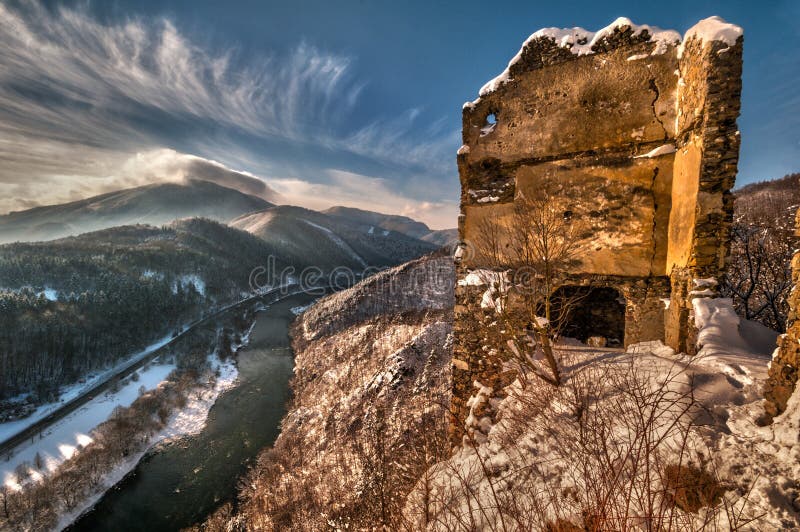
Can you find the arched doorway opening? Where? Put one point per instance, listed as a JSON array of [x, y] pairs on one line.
[[584, 311]]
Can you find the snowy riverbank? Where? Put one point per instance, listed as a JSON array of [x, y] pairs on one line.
[[187, 421], [68, 393], [59, 441]]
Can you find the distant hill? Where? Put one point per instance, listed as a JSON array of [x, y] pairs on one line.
[[152, 204], [309, 238], [442, 237], [393, 222], [771, 204]]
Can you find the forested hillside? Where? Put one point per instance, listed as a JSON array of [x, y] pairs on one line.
[[763, 241], [307, 237], [74, 305]]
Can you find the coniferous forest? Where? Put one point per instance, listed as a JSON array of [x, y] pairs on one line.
[[72, 306]]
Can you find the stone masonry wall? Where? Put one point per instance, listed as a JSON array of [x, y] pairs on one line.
[[704, 173], [634, 136]]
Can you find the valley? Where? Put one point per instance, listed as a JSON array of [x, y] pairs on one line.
[[104, 324]]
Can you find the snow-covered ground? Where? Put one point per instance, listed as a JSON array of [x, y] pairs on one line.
[[60, 440], [189, 420], [11, 428], [706, 412]]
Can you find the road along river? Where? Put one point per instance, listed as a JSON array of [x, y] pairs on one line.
[[179, 483]]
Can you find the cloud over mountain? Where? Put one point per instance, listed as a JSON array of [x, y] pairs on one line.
[[85, 101]]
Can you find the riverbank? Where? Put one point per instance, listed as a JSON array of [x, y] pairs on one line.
[[181, 481], [186, 422], [86, 453]]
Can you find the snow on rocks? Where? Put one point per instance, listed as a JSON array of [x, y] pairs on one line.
[[497, 282]]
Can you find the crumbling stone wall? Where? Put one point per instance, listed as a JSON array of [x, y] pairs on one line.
[[633, 135], [782, 379]]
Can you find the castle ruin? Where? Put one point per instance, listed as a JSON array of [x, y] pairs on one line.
[[632, 132]]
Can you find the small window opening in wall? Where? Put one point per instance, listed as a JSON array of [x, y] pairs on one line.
[[568, 215], [489, 125]]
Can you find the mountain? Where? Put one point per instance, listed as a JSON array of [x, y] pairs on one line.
[[393, 222], [151, 204], [442, 237], [310, 238]]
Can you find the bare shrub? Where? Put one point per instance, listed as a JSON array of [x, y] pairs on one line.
[[530, 253], [616, 447]]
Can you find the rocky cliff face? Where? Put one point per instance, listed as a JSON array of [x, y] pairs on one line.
[[371, 392]]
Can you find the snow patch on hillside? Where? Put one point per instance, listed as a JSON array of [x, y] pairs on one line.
[[339, 242]]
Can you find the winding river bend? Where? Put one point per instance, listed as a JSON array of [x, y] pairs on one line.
[[180, 483]]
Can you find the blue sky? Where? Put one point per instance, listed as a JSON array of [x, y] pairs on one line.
[[353, 103]]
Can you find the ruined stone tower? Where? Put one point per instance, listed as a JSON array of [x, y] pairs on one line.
[[632, 131]]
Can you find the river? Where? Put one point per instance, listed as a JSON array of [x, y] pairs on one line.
[[179, 483]]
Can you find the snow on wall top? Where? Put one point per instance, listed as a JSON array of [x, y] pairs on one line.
[[713, 29], [581, 42]]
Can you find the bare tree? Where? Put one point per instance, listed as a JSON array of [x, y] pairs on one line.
[[759, 276], [530, 252]]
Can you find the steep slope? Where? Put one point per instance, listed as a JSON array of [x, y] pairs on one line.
[[759, 276], [306, 237], [151, 204], [370, 396], [772, 204]]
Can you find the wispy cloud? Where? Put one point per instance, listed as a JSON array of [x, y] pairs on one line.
[[80, 98]]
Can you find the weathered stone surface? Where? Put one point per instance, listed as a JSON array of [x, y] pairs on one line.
[[637, 142], [620, 206], [592, 103]]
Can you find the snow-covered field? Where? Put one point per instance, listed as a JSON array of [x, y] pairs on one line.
[[59, 441], [631, 413]]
